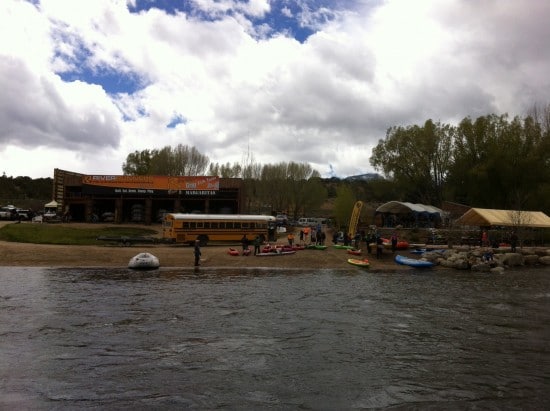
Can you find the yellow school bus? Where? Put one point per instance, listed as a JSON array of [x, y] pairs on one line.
[[186, 228]]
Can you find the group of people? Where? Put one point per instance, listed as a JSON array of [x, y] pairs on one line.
[[486, 242], [245, 242], [316, 236], [257, 242], [370, 238]]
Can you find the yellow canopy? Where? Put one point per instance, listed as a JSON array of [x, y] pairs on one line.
[[514, 218]]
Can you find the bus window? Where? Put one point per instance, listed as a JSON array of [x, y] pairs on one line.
[[214, 225], [206, 224], [246, 225], [236, 225], [186, 225]]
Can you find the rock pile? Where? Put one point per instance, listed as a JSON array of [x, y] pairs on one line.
[[487, 259]]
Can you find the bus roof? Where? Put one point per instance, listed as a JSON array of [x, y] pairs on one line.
[[182, 216]]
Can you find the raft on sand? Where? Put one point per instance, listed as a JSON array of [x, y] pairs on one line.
[[234, 252], [144, 261], [343, 247], [316, 247], [276, 251], [359, 263], [412, 262]]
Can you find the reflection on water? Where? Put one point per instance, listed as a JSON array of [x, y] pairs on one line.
[[256, 339]]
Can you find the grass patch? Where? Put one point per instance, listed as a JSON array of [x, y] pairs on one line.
[[61, 234]]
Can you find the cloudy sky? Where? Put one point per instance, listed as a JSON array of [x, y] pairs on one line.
[[85, 83]]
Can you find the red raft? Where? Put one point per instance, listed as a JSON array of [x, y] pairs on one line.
[[232, 251]]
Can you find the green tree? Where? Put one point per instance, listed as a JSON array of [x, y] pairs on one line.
[[305, 190], [181, 160], [138, 163], [343, 206], [417, 159], [500, 163], [226, 170], [291, 187]]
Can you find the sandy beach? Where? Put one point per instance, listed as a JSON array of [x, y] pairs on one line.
[[41, 255], [213, 255]]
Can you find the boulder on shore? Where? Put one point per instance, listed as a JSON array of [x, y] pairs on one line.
[[513, 259]]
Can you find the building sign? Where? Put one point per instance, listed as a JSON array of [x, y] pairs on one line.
[[120, 185]]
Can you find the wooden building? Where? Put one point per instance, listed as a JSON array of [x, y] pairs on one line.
[[143, 199]]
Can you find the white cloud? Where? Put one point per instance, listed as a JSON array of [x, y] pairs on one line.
[[326, 101]]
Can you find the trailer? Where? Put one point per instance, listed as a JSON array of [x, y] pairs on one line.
[[127, 241]]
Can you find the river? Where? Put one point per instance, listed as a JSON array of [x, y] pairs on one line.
[[277, 339]]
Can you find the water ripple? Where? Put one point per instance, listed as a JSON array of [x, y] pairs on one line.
[[276, 339]]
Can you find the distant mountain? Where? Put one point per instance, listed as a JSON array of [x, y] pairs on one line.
[[364, 177]]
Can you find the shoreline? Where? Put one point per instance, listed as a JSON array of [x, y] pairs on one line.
[[214, 257], [179, 257]]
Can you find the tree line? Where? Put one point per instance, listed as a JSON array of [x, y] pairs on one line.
[[289, 187], [493, 161], [25, 192]]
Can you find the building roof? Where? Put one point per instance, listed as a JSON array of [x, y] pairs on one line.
[[399, 207], [512, 218]]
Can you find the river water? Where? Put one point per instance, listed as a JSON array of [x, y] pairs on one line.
[[287, 339]]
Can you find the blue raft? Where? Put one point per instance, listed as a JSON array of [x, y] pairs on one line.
[[412, 262]]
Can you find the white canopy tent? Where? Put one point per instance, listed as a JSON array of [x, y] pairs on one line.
[[51, 204], [410, 213], [399, 207]]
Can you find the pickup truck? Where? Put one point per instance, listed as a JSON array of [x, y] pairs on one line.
[[22, 214]]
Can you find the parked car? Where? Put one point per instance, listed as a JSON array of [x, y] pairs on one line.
[[49, 215], [311, 221], [22, 214], [281, 219], [108, 217], [5, 214]]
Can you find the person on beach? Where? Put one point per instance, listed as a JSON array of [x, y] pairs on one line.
[[290, 238], [357, 241], [393, 242], [306, 233], [257, 242], [484, 239], [245, 242], [368, 240], [197, 252], [313, 235], [379, 246], [513, 242]]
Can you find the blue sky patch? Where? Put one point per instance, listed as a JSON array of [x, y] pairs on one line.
[[299, 19], [177, 119], [112, 81]]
